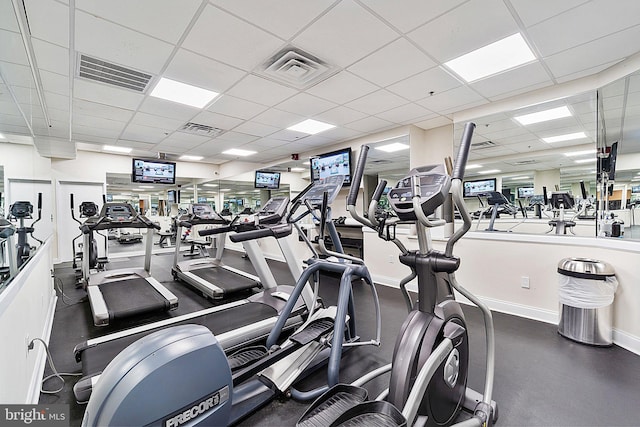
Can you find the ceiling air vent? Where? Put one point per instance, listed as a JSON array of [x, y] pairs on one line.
[[112, 74], [200, 129], [525, 162], [296, 68], [483, 144]]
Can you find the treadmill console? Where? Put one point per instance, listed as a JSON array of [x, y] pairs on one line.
[[203, 211], [271, 213], [330, 184], [431, 183], [118, 212]]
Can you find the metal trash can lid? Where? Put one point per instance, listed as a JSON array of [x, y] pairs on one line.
[[585, 268]]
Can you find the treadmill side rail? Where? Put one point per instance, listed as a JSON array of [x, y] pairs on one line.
[[98, 306], [166, 293]]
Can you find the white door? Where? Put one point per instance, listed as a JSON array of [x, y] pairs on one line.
[[24, 189], [67, 227]]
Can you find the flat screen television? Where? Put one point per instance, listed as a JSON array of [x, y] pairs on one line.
[[524, 192], [331, 164], [267, 180], [172, 196], [479, 186], [635, 189], [153, 171], [608, 164]]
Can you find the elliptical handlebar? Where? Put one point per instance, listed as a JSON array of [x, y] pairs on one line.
[[463, 152], [357, 176]]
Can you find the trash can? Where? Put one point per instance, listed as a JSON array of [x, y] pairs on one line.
[[586, 291]]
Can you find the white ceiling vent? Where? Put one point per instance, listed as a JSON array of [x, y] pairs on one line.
[[296, 68], [483, 144], [200, 129], [524, 162], [112, 74]]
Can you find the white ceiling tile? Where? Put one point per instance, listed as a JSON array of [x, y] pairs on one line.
[[53, 82], [587, 22], [519, 91], [283, 18], [262, 91], [417, 87], [392, 63], [419, 119], [509, 81], [10, 119], [334, 38], [342, 87], [17, 130], [216, 120], [533, 12], [278, 118], [59, 115], [49, 21], [11, 48], [236, 107], [453, 98], [98, 122], [106, 94], [137, 145], [257, 129], [169, 109], [341, 133], [107, 111], [144, 133], [54, 100], [215, 29], [151, 120], [461, 31], [16, 74], [434, 123], [185, 140], [369, 124], [420, 11], [8, 17], [268, 143], [404, 113], [197, 70], [237, 137], [288, 135], [341, 115], [26, 95], [305, 104], [164, 19], [212, 148], [93, 139], [125, 47], [51, 57], [112, 134], [317, 140], [376, 102]]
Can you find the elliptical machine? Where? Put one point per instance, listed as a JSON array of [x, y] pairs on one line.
[[87, 210], [428, 384], [20, 211]]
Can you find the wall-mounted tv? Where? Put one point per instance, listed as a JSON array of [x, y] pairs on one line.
[[267, 180], [473, 188], [635, 189], [331, 164], [153, 171], [524, 192]]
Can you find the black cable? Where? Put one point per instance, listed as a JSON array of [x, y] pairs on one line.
[[60, 289], [55, 374]]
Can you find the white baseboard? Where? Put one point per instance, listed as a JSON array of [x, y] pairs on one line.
[[35, 383], [626, 341]]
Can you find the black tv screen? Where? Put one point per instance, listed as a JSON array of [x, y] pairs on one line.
[[267, 180], [153, 171], [332, 164], [474, 188], [524, 192]]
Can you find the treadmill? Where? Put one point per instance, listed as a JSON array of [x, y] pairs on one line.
[[123, 293], [237, 324], [209, 275]]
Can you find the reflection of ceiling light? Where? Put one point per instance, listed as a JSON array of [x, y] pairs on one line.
[[565, 137], [489, 171], [521, 177], [210, 185], [225, 189], [189, 158], [311, 127], [474, 166], [580, 153], [2, 136], [543, 116], [298, 169], [238, 152], [172, 90], [585, 160], [116, 149], [392, 148], [494, 58], [146, 186]]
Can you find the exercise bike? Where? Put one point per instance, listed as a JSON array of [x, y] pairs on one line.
[[428, 383], [20, 211]]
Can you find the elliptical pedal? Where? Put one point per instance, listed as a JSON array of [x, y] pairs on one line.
[[331, 405], [244, 357], [313, 331]]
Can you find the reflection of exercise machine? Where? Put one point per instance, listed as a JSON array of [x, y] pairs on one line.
[[560, 203], [8, 267], [20, 211], [428, 383], [96, 263], [586, 204], [123, 293], [497, 205], [133, 388], [608, 224]]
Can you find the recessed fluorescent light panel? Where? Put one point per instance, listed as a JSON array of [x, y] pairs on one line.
[[298, 169], [474, 166], [565, 137], [585, 160], [489, 171], [1, 136], [311, 127], [189, 158], [210, 185], [492, 59], [520, 177], [544, 116], [182, 93], [392, 148], [116, 149], [580, 153], [238, 152]]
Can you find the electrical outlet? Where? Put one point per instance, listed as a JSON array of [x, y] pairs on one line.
[[524, 282]]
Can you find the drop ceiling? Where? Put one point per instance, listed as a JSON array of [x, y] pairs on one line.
[[384, 63]]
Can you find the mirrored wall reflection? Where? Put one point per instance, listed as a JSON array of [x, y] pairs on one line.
[[619, 158], [242, 198], [516, 155]]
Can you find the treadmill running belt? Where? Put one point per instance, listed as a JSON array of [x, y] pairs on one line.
[[132, 297], [95, 359], [225, 279]]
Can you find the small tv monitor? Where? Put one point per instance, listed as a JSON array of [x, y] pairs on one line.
[[635, 189], [332, 164], [172, 196], [524, 192], [153, 171], [267, 180], [479, 186]]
